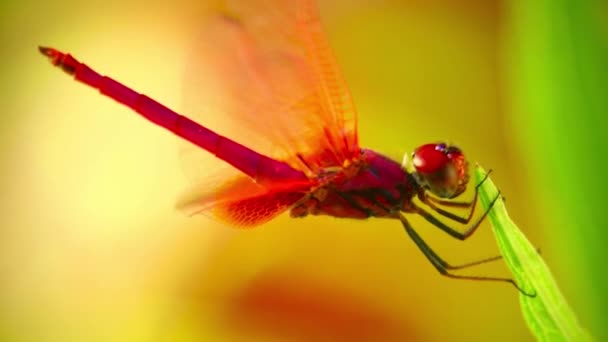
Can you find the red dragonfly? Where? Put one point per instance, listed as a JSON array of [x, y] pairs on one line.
[[278, 75]]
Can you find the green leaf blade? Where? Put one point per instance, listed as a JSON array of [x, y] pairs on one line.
[[548, 315]]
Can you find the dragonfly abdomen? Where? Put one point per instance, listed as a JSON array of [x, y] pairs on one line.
[[265, 170]]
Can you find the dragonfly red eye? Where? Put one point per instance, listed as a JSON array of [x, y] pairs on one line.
[[441, 169], [430, 158]]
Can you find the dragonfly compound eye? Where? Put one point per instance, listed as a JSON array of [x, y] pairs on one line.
[[430, 158], [442, 169]]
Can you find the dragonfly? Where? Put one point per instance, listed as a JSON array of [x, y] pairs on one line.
[[277, 74]]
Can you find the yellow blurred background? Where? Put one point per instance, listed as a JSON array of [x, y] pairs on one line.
[[93, 250]]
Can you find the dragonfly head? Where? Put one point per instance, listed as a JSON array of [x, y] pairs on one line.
[[442, 169]]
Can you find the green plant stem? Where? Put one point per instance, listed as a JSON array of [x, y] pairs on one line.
[[548, 315]]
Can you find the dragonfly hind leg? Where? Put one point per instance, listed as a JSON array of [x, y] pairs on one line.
[[444, 268]]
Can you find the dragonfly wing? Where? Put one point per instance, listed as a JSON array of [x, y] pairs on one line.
[[242, 202], [267, 66]]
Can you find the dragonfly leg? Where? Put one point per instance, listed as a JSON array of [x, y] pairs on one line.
[[451, 231], [460, 204], [450, 203], [475, 263], [431, 201], [444, 268]]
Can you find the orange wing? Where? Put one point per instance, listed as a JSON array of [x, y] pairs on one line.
[[267, 66], [250, 212], [244, 203]]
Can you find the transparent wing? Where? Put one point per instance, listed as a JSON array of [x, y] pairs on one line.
[[242, 202], [266, 68]]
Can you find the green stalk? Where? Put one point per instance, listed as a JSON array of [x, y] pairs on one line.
[[547, 314], [556, 54]]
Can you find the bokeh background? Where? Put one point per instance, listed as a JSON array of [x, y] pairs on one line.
[[91, 248]]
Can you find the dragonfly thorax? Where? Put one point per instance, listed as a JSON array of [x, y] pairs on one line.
[[378, 188]]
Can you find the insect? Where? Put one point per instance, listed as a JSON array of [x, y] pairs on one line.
[[278, 75]]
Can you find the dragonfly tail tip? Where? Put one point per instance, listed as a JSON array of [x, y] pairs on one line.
[[60, 59], [45, 50], [50, 52]]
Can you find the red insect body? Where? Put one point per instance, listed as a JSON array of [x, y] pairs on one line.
[[378, 188], [282, 68], [276, 73]]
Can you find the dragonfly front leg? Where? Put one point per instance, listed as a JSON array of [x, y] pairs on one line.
[[431, 201], [444, 268], [451, 231]]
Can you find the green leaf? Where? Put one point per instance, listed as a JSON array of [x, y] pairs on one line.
[[547, 314], [556, 58]]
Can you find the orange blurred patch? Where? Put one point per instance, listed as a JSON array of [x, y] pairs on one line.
[[294, 307]]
